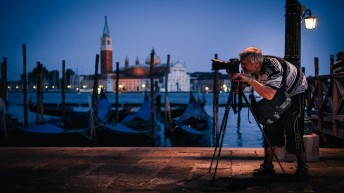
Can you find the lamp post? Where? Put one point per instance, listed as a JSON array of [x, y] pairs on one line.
[[293, 19]]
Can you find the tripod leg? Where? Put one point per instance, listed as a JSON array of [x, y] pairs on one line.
[[214, 153], [221, 143], [221, 135], [261, 129]]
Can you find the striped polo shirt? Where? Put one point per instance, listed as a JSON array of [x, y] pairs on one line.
[[271, 75]]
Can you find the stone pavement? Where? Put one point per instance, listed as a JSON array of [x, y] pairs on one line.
[[152, 169]]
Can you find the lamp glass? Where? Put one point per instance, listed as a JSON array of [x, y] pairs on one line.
[[310, 22]]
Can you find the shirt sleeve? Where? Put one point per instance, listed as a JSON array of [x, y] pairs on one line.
[[272, 74]]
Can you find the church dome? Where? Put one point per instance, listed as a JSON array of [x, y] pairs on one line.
[[156, 59], [138, 71]]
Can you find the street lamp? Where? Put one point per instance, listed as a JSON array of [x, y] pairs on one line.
[[310, 21]]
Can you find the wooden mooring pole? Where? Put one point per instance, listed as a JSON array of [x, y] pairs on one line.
[[216, 105], [152, 95], [3, 128], [63, 85], [40, 111], [26, 115], [318, 83], [167, 105], [94, 105], [4, 81], [95, 87], [117, 84]]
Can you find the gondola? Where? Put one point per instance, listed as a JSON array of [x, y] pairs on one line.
[[76, 129], [133, 130], [176, 111], [131, 108], [126, 110], [70, 131], [55, 109], [193, 127]]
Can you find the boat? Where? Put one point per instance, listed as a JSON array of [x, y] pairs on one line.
[[176, 111], [126, 110], [193, 127], [76, 129], [132, 108], [70, 131], [133, 130], [55, 109]]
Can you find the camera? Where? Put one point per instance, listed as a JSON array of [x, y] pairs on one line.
[[232, 65]]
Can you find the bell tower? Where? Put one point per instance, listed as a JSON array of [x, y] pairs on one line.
[[106, 51]]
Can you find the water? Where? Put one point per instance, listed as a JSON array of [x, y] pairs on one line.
[[245, 135]]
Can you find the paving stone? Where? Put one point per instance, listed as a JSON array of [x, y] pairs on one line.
[[149, 169]]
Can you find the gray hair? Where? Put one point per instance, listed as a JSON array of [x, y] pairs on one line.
[[252, 54]]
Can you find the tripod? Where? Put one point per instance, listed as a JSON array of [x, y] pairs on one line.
[[223, 130]]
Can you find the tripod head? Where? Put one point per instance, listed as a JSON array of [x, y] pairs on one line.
[[232, 67], [235, 96]]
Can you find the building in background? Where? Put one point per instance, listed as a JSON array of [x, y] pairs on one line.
[[204, 82], [136, 78], [132, 78], [106, 58], [106, 51]]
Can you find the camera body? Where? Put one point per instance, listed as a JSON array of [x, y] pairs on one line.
[[232, 65]]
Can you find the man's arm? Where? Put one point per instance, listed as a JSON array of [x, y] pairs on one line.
[[264, 91]]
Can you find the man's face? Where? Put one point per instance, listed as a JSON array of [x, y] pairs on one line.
[[248, 67]]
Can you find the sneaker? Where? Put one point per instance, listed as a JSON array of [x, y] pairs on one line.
[[264, 170], [302, 171]]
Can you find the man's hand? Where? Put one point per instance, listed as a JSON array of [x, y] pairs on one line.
[[241, 78]]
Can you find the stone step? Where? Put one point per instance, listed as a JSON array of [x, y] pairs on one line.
[[311, 142]]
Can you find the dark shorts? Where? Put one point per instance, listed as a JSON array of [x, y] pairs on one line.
[[289, 129]]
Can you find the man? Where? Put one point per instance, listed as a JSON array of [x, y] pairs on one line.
[[265, 74]]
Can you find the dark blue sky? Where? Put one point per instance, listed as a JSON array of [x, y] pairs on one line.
[[191, 31]]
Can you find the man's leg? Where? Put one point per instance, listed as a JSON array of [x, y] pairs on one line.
[[269, 156], [273, 136], [294, 133], [301, 159], [266, 168], [302, 168]]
